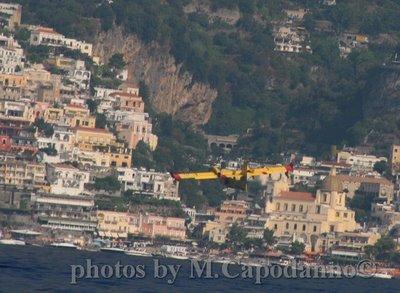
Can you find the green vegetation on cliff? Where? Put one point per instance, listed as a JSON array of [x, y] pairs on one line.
[[305, 101]]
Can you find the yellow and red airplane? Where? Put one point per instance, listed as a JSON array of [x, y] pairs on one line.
[[234, 178]]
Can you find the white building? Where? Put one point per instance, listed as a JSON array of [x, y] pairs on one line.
[[102, 93], [308, 161], [122, 74], [359, 161], [62, 140], [329, 2], [141, 181], [66, 179], [81, 78], [291, 40], [10, 14], [11, 55], [74, 213], [48, 37], [302, 175]]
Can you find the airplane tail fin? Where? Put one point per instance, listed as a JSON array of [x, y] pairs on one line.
[[243, 179], [289, 169], [175, 176]]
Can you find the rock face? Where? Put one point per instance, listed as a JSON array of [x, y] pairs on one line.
[[172, 90]]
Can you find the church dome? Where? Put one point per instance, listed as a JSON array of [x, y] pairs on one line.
[[332, 182]]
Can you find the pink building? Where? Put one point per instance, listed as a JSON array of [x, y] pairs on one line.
[[138, 129], [164, 226], [120, 224], [128, 101]]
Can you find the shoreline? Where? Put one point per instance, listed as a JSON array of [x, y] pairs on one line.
[[218, 260]]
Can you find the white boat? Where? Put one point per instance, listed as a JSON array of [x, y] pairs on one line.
[[12, 242], [112, 249], [382, 276], [138, 252], [177, 256], [223, 261], [250, 263], [64, 245]]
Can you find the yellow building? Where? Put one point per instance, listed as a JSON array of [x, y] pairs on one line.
[[82, 121], [53, 115], [104, 158], [231, 211], [74, 110], [93, 137], [395, 159], [12, 86], [22, 173], [216, 231], [113, 224], [15, 80], [306, 216], [70, 115]]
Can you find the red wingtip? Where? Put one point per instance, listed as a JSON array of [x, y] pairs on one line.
[[289, 169], [175, 176]]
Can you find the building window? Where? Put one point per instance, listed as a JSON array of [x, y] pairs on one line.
[[304, 227], [295, 227], [285, 206], [278, 206], [276, 226], [301, 208], [293, 207], [345, 215], [315, 229], [332, 228], [318, 209], [287, 226]]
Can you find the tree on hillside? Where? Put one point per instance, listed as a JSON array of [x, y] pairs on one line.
[[117, 61], [101, 120], [44, 127], [108, 183], [142, 156], [237, 235], [297, 248], [384, 249], [268, 236], [381, 167], [92, 105]]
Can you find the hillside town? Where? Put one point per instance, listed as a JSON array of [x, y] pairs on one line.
[[69, 176]]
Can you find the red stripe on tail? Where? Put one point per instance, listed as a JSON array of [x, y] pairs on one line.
[[175, 176]]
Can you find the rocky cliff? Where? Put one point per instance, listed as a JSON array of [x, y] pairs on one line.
[[172, 89]]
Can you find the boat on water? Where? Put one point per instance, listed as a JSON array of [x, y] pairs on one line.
[[64, 245], [224, 260], [382, 276], [195, 257], [252, 263], [138, 252], [177, 256], [12, 242], [112, 249]]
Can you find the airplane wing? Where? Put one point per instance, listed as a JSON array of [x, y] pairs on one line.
[[270, 170], [195, 175]]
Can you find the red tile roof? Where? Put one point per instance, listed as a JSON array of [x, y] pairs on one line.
[[46, 30], [364, 179], [297, 195]]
